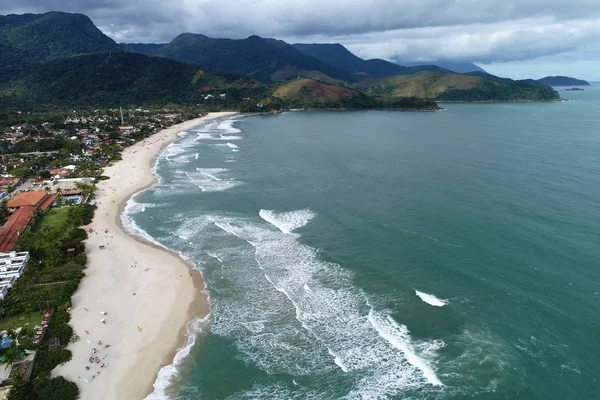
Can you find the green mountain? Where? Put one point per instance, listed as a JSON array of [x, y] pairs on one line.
[[563, 81], [457, 87], [266, 60], [63, 59], [40, 37], [142, 48], [309, 93], [453, 66], [119, 79], [340, 57]]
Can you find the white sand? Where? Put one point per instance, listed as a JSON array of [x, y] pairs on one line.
[[161, 306]]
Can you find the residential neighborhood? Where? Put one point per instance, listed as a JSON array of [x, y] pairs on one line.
[[49, 164]]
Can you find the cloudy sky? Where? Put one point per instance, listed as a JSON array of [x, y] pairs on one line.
[[513, 38]]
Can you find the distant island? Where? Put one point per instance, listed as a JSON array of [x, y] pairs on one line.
[[574, 89], [562, 81]]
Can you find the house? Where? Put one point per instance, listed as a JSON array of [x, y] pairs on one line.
[[27, 199], [60, 172], [14, 227], [5, 182]]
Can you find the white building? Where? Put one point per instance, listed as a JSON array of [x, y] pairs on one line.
[[13, 264], [5, 284], [8, 281]]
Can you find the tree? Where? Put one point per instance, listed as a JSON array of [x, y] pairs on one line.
[[3, 211], [12, 354], [86, 189]]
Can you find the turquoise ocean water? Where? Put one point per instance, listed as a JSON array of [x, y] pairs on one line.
[[388, 255]]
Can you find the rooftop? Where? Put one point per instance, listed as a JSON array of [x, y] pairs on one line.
[[14, 226], [47, 202], [27, 199]]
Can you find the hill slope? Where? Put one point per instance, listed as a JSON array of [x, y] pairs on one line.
[[453, 66], [40, 37], [265, 60], [457, 87], [308, 93], [562, 81], [117, 79], [340, 57]]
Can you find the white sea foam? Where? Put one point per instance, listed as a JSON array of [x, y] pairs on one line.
[[287, 222], [214, 170], [211, 179], [178, 151], [168, 373], [215, 136], [398, 336], [331, 311], [338, 361], [227, 126], [231, 145], [130, 225], [431, 299]]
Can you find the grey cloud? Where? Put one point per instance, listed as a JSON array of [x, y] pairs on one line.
[[480, 30]]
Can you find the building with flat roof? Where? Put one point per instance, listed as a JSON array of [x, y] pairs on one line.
[[6, 283], [13, 264]]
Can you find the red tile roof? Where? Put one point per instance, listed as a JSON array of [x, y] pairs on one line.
[[14, 227], [47, 202], [27, 199], [9, 181]]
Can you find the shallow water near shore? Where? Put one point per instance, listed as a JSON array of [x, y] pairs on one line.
[[374, 254]]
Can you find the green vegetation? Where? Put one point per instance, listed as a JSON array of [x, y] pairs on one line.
[[310, 94], [40, 37], [51, 277], [340, 57], [119, 79], [55, 219], [495, 90], [562, 81], [254, 56], [16, 321], [41, 64], [456, 87]]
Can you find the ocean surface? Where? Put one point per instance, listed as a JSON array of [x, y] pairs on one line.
[[388, 255]]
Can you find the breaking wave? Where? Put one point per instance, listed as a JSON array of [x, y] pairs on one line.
[[431, 299], [287, 222]]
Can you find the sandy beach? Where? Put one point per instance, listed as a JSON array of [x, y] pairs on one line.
[[148, 294]]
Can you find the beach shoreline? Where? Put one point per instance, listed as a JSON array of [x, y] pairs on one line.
[[143, 288]]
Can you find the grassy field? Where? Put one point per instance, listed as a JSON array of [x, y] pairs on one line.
[[20, 320], [56, 218]]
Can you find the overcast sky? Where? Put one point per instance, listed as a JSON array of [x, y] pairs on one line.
[[513, 38]]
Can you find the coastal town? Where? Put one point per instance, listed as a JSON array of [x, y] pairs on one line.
[[50, 166]]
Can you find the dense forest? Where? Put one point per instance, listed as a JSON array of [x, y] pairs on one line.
[[489, 90]]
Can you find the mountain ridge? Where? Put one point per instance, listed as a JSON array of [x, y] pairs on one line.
[[340, 57], [43, 60], [562, 81]]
